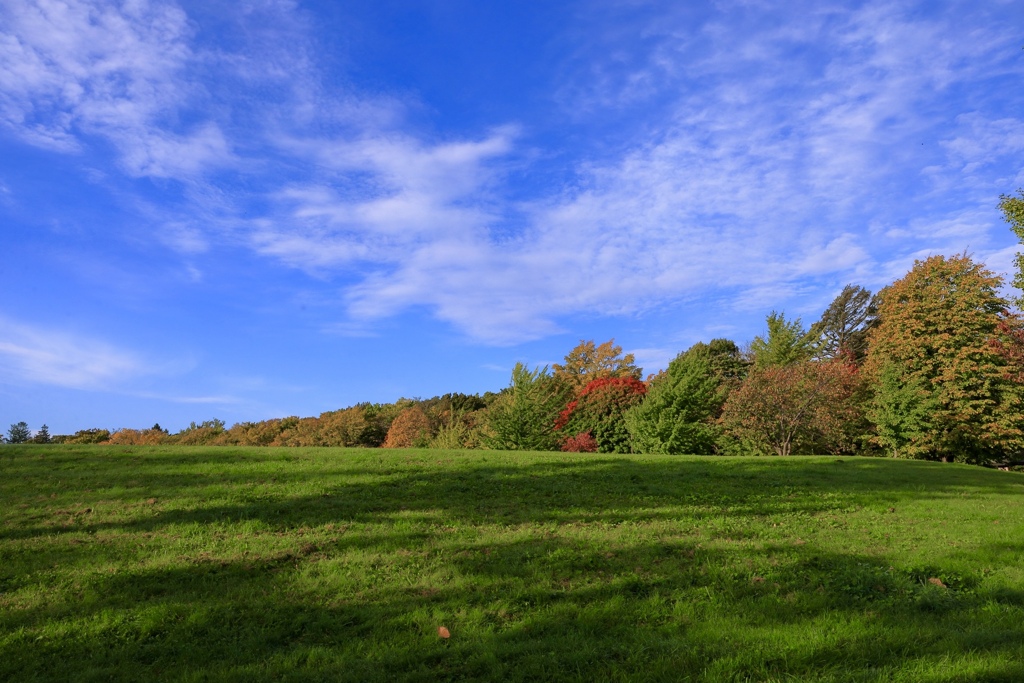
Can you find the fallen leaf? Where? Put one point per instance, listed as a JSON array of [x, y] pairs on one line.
[[443, 632], [936, 582], [758, 579]]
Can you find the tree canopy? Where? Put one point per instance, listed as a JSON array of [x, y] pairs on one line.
[[587, 362], [1013, 211], [786, 343], [942, 390], [678, 414], [844, 326]]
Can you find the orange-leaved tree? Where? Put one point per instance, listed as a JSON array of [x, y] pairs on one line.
[[588, 361], [942, 388], [411, 429]]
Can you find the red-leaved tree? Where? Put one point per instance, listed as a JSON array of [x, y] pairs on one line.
[[808, 407], [598, 410]]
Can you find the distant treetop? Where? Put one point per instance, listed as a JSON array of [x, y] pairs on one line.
[[587, 362]]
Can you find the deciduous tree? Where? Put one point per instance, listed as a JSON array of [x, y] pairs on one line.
[[137, 437], [804, 407], [342, 427], [599, 409], [942, 388], [411, 429], [197, 434], [94, 435], [588, 361]]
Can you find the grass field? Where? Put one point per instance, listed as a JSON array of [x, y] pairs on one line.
[[197, 564]]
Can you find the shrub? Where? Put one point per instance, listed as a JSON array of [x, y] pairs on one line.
[[411, 429], [584, 442], [137, 437]]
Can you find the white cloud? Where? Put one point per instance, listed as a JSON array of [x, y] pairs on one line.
[[766, 152], [35, 355], [750, 185], [73, 68]]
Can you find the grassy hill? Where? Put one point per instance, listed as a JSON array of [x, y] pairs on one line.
[[199, 564]]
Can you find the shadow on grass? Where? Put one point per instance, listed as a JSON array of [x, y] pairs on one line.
[[594, 489], [538, 609], [366, 604]]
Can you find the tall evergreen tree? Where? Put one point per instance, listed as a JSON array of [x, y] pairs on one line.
[[523, 416], [786, 343], [42, 436], [19, 433], [678, 414], [844, 326]]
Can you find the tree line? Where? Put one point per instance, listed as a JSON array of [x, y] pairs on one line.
[[930, 367]]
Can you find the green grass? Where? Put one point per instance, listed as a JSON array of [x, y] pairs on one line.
[[196, 564]]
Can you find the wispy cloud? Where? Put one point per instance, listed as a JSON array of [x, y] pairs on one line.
[[73, 68], [200, 400], [34, 355], [781, 142], [762, 151]]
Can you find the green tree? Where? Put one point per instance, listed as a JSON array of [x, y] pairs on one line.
[[943, 391], [678, 414], [725, 359], [901, 408], [18, 433], [587, 362], [844, 326], [42, 436], [523, 416], [454, 432], [1013, 211], [94, 435], [786, 343]]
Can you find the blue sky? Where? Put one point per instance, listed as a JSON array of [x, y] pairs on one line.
[[255, 209]]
